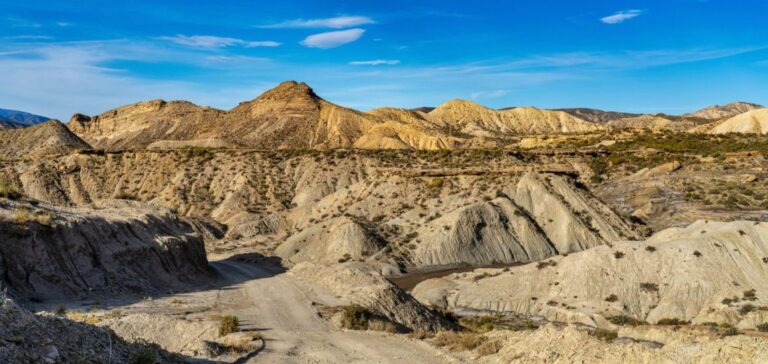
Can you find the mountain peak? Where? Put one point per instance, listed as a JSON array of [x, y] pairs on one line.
[[289, 90]]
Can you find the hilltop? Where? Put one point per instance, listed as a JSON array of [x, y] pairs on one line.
[[293, 116]]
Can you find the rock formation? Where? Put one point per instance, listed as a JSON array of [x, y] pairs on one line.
[[719, 112], [476, 120], [51, 253], [706, 272], [49, 138]]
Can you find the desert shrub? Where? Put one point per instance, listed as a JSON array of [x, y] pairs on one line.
[[649, 287], [62, 310], [618, 255], [544, 264], [605, 335], [489, 348], [360, 318], [9, 192], [612, 298], [763, 327], [750, 295], [382, 325], [746, 309], [421, 335], [458, 341], [624, 320], [671, 322], [650, 249], [697, 254], [228, 324], [145, 356], [479, 324], [23, 215], [434, 183]]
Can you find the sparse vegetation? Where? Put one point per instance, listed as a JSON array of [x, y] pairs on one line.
[[228, 324], [359, 318], [672, 322], [9, 192], [458, 341], [649, 287], [605, 335], [612, 298], [145, 356], [624, 320]]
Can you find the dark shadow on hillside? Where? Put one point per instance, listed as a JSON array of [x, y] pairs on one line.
[[222, 275]]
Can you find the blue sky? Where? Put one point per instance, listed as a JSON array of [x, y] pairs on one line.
[[673, 56]]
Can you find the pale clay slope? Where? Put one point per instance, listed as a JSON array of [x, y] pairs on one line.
[[515, 227], [553, 345], [752, 122], [477, 120], [694, 268]]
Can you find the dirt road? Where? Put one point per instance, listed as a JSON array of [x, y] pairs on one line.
[[279, 308]]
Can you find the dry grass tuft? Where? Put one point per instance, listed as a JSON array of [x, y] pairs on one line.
[[458, 341]]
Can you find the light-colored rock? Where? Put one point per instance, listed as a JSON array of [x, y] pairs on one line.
[[54, 253], [474, 119], [751, 122], [682, 273], [358, 284], [571, 345]]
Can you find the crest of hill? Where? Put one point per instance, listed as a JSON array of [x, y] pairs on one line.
[[651, 122], [597, 116], [718, 112], [43, 139], [750, 122], [477, 120], [292, 116], [289, 116]]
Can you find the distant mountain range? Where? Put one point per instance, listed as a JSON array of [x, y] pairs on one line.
[[19, 119]]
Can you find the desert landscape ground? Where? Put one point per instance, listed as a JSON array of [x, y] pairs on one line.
[[290, 229]]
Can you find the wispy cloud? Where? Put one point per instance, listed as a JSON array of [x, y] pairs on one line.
[[212, 41], [333, 39], [621, 16], [489, 94], [16, 22], [27, 37], [376, 62], [339, 22]]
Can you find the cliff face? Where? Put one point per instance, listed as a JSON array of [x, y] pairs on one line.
[[55, 253]]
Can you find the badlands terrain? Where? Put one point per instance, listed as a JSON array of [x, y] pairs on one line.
[[293, 230]]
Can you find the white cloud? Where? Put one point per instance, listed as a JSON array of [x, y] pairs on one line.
[[333, 39], [376, 62], [339, 22], [621, 16], [489, 94], [212, 41]]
